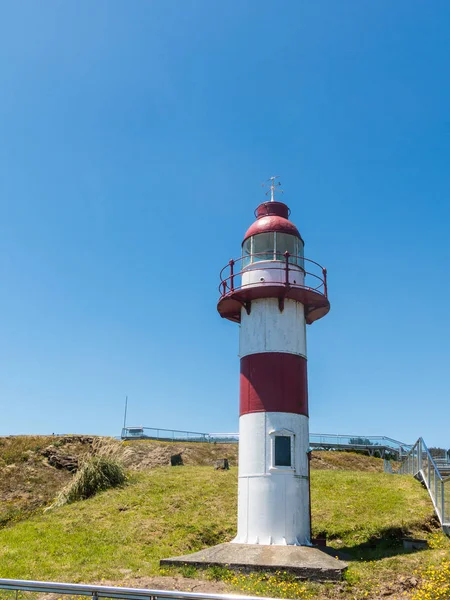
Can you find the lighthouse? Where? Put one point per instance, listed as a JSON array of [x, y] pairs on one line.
[[273, 292]]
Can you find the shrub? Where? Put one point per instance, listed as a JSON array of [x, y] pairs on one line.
[[95, 475]]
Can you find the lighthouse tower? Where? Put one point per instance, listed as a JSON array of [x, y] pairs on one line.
[[273, 291]]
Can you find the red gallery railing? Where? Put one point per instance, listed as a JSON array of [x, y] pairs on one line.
[[285, 264]]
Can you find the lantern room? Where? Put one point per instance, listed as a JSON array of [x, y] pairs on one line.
[[271, 236], [272, 264]]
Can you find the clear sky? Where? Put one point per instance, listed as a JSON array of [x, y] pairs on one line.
[[134, 137]]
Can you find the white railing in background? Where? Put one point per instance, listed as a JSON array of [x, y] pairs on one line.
[[371, 443], [327, 441], [176, 435], [421, 465], [101, 591]]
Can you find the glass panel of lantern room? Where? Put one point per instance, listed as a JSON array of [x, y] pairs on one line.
[[301, 254], [263, 247], [287, 243], [246, 252]]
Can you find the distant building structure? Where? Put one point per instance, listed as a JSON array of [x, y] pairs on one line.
[[133, 433]]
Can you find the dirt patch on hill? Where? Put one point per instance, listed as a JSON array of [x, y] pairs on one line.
[[31, 475], [172, 583], [346, 461], [147, 454]]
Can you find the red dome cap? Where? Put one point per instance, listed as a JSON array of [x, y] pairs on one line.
[[272, 216]]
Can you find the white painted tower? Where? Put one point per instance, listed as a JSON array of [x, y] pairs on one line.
[[273, 292]]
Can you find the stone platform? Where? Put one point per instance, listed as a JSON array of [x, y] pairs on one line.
[[303, 561]]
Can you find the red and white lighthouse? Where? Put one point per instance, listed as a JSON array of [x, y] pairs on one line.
[[273, 291]]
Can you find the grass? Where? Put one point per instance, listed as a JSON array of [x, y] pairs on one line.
[[346, 461], [27, 482], [160, 513], [16, 449], [157, 453], [122, 533], [357, 508], [96, 474]]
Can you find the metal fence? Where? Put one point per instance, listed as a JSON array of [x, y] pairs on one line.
[[282, 267], [421, 464], [176, 435], [372, 443], [100, 591]]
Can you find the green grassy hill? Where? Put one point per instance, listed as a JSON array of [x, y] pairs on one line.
[[121, 534]]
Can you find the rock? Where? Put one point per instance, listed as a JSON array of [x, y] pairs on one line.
[[176, 460], [222, 464], [60, 461], [67, 462], [414, 544]]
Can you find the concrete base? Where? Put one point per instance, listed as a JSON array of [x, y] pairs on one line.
[[303, 561]]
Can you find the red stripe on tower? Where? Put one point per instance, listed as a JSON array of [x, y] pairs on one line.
[[274, 382]]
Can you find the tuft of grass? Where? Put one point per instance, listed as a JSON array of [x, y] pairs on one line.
[[96, 474], [218, 573], [188, 571]]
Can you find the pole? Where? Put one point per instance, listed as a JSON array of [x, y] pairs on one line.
[[125, 413]]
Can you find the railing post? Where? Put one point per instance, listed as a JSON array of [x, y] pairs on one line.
[[419, 456], [232, 274], [325, 285], [286, 256], [417, 465], [436, 481], [224, 288], [443, 501]]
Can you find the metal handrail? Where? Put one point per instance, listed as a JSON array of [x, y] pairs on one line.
[[202, 433], [419, 463], [227, 284], [366, 437], [176, 435], [376, 441], [328, 440], [103, 591]]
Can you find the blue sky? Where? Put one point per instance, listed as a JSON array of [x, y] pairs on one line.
[[133, 140]]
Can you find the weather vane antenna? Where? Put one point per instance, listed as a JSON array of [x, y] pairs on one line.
[[273, 187]]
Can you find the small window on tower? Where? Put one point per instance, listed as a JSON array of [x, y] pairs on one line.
[[283, 451]]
